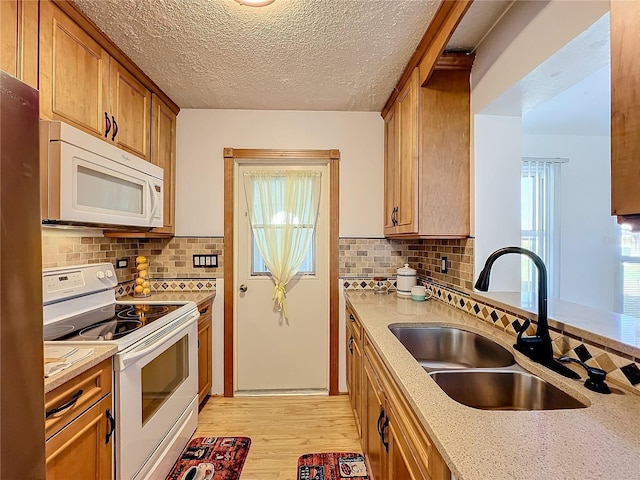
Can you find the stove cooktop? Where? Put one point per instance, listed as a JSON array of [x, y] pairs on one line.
[[107, 323]]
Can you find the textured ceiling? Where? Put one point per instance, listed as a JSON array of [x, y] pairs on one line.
[[291, 55]]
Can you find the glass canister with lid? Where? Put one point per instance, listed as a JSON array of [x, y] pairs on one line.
[[380, 285]]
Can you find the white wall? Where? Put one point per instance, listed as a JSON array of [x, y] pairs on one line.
[[498, 149], [589, 257], [202, 134], [528, 34]]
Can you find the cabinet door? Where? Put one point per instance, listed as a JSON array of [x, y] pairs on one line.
[[402, 464], [375, 415], [625, 109], [357, 383], [81, 450], [9, 36], [163, 154], [74, 73], [390, 167], [131, 107], [205, 370], [406, 172]]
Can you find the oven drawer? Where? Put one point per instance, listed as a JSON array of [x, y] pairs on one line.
[[75, 396]]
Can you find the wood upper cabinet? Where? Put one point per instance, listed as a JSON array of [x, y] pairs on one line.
[[81, 84], [74, 73], [427, 173], [625, 111], [401, 155], [163, 154], [130, 112], [19, 40], [205, 350], [390, 177]]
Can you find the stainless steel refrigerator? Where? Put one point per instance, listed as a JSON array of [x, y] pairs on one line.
[[22, 443]]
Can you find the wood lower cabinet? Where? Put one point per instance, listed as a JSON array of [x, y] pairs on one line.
[[79, 426], [82, 84], [205, 350], [395, 443], [354, 367]]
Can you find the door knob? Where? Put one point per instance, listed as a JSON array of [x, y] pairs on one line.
[[243, 288]]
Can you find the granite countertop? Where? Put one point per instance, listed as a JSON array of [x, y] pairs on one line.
[[601, 441], [196, 297], [101, 352]]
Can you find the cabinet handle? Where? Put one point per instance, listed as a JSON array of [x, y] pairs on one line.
[[107, 123], [65, 406], [204, 310], [351, 345], [380, 422], [385, 425], [112, 425], [351, 317], [115, 128]]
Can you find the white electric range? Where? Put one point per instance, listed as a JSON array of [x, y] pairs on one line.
[[155, 367]]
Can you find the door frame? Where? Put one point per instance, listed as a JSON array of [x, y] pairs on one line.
[[231, 157]]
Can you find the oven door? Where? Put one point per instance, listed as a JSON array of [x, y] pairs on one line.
[[156, 381]]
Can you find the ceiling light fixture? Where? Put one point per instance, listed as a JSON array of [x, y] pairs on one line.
[[255, 3]]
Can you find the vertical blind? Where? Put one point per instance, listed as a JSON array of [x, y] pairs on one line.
[[540, 219]]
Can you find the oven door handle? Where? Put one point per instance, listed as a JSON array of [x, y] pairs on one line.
[[157, 340]]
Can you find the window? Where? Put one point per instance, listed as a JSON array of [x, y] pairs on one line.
[[539, 205], [308, 266], [630, 257]]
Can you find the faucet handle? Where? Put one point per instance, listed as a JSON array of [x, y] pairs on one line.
[[597, 376]]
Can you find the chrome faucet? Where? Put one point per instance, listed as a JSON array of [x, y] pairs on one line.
[[537, 347]]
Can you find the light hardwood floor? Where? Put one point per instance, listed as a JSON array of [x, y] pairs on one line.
[[281, 429]]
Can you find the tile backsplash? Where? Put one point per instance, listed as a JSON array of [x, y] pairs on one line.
[[173, 258], [369, 257], [169, 258]]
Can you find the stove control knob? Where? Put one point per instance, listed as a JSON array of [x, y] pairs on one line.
[[100, 274], [109, 273]]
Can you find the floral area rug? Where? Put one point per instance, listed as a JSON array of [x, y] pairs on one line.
[[211, 458], [332, 466]]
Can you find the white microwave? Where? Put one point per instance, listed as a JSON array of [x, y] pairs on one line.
[[91, 182]]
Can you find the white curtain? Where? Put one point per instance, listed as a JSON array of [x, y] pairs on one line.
[[283, 211]]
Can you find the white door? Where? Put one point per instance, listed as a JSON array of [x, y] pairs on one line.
[[274, 354]]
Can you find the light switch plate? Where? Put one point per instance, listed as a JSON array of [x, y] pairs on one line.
[[444, 268], [122, 263]]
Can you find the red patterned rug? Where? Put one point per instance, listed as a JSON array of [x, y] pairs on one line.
[[332, 466], [211, 458]]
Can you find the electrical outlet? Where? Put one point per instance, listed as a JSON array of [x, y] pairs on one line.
[[444, 266], [122, 263], [205, 261]]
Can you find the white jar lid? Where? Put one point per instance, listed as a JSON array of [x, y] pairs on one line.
[[406, 271]]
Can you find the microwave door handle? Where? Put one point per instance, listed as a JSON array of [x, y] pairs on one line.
[[154, 201], [135, 354]]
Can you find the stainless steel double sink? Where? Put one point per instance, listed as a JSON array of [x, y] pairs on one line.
[[478, 372]]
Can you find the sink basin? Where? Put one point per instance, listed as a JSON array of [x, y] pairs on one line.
[[503, 390], [438, 348]]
